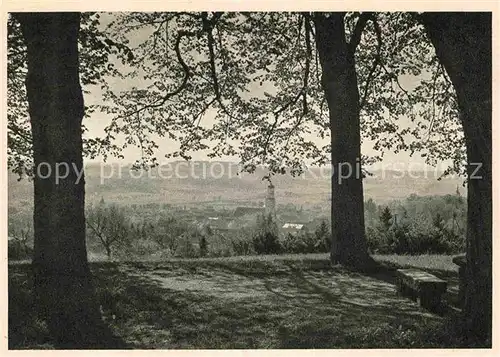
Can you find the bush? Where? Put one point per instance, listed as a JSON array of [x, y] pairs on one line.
[[322, 234], [303, 243], [266, 238], [266, 243], [186, 248], [242, 246], [377, 241], [138, 248], [413, 239]]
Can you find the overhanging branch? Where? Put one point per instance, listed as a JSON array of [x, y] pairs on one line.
[[358, 31], [376, 61]]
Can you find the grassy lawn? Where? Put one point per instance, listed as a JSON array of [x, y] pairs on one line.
[[428, 261], [294, 301]]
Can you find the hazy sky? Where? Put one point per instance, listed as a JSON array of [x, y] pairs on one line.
[[98, 121]]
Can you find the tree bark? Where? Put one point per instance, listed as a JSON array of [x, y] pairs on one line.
[[63, 288], [339, 83], [463, 45]]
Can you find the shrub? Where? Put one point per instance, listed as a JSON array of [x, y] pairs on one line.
[[186, 248], [290, 244], [303, 243], [323, 235], [138, 247], [266, 238], [266, 243], [242, 246], [399, 240], [412, 238], [377, 241]]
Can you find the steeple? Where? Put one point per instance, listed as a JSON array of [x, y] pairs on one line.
[[270, 200]]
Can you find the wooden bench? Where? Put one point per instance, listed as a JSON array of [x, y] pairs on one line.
[[419, 284]]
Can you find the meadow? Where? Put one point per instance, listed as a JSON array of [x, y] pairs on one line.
[[252, 302]]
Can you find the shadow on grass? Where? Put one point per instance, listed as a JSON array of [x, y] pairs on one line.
[[27, 331], [249, 304]]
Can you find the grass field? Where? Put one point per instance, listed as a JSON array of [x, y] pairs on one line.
[[293, 301]]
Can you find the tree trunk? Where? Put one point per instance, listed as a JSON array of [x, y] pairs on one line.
[[339, 83], [62, 280], [108, 252], [463, 45]]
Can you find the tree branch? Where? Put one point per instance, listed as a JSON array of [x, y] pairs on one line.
[[180, 88], [208, 26], [358, 31], [308, 63], [376, 61], [14, 129]]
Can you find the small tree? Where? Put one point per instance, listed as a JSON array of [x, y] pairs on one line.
[[386, 218], [109, 225], [266, 237], [438, 223], [168, 233], [322, 234], [370, 212]]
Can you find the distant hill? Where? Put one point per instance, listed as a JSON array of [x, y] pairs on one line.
[[220, 183]]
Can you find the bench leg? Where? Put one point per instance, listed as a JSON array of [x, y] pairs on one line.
[[430, 301], [404, 290], [413, 295], [399, 287]]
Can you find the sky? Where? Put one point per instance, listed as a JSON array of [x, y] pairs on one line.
[[98, 121]]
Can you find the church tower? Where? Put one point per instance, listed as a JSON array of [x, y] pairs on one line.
[[270, 201]]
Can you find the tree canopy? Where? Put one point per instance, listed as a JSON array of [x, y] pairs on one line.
[[249, 85]]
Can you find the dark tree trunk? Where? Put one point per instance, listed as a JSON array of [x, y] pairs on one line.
[[339, 83], [108, 252], [63, 288], [463, 45]]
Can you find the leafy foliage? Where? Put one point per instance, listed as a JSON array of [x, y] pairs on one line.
[[266, 238], [109, 225], [95, 52], [420, 225], [248, 84]]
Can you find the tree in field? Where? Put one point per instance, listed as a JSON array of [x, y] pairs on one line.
[[386, 218], [265, 239], [169, 232], [322, 234], [463, 46], [109, 225], [62, 278], [340, 86], [437, 222], [370, 212]]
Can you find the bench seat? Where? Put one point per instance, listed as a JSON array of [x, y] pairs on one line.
[[419, 284]]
